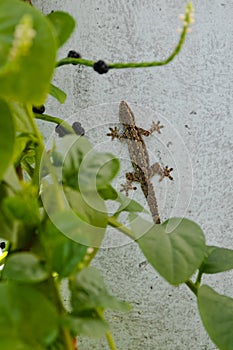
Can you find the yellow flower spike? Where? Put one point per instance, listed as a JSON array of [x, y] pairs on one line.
[[23, 39], [187, 18]]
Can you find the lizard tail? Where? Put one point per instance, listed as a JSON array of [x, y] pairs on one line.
[[149, 193]]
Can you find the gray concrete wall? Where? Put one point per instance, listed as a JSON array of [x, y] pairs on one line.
[[192, 96]]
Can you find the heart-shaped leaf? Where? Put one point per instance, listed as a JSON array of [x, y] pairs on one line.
[[175, 255], [218, 260], [217, 316]]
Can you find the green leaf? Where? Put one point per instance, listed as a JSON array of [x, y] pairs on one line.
[[90, 207], [63, 254], [28, 52], [175, 249], [108, 192], [57, 93], [73, 227], [10, 343], [24, 267], [107, 167], [216, 312], [96, 170], [8, 227], [12, 180], [7, 136], [88, 292], [82, 218], [89, 325], [128, 204], [26, 314], [217, 260], [52, 197], [63, 24], [23, 206], [84, 168], [72, 149], [21, 119]]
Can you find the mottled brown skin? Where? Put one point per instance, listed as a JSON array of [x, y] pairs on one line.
[[140, 158]]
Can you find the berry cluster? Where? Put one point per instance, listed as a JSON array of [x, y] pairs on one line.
[[77, 127], [100, 66]]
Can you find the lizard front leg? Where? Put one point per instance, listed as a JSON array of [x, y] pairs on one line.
[[114, 133], [156, 127]]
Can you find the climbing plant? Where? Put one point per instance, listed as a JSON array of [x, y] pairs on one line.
[[53, 203]]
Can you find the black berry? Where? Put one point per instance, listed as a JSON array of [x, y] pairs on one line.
[[73, 54], [38, 109], [2, 245], [100, 67], [78, 129], [61, 131]]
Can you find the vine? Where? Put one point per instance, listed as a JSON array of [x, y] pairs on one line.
[[51, 228]]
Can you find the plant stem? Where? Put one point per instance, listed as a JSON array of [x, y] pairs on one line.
[[55, 120], [154, 63], [70, 60], [114, 223], [108, 334], [120, 65], [39, 149], [110, 341], [67, 339], [192, 287], [198, 280]]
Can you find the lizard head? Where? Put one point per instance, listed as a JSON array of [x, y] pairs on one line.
[[126, 116]]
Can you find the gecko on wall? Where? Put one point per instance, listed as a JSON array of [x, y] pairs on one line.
[[139, 156]]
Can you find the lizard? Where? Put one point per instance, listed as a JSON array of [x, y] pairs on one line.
[[139, 157]]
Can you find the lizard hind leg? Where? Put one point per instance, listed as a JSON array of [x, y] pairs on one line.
[[162, 172], [128, 185], [166, 173]]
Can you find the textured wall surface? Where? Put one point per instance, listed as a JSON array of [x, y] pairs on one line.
[[192, 96]]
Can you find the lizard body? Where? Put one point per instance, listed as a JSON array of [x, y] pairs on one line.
[[139, 157]]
